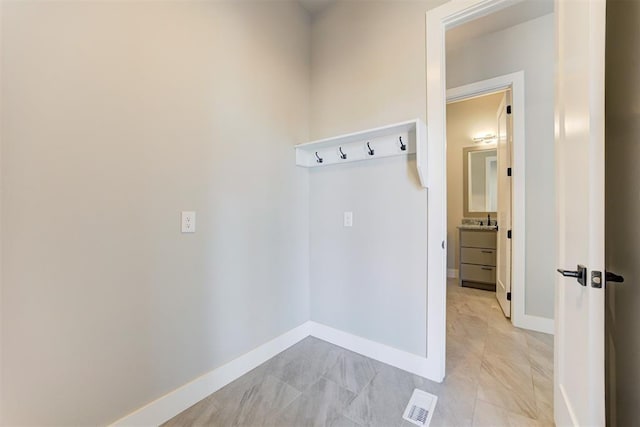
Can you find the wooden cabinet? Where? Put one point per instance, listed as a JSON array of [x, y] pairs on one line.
[[478, 258]]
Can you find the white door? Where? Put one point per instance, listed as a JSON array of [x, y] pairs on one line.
[[579, 328], [503, 276]]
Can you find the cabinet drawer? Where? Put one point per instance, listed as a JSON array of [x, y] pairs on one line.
[[478, 256], [478, 239], [477, 273]]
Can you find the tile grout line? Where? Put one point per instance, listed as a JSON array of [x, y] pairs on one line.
[[533, 384], [484, 350], [356, 396], [528, 367]]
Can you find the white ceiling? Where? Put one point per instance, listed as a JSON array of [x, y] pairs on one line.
[[508, 17], [315, 6]]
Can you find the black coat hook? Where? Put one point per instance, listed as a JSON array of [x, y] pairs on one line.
[[403, 146], [371, 151], [343, 156], [318, 158]]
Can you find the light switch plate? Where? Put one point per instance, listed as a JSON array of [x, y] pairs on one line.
[[188, 222], [348, 219]]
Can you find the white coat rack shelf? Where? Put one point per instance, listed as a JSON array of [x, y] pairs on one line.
[[400, 139]]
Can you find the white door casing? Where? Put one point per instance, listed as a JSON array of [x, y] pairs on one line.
[[579, 128], [438, 20], [503, 264]]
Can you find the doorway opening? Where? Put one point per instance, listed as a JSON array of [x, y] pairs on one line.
[[485, 235], [479, 193], [494, 38], [513, 367]]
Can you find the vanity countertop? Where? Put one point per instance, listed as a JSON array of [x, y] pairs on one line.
[[478, 227]]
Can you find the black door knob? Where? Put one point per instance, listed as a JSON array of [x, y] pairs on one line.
[[612, 277], [580, 273]]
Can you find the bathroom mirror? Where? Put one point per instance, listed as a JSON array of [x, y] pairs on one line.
[[480, 166]]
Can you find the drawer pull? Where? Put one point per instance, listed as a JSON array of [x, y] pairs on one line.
[[487, 252], [487, 268]]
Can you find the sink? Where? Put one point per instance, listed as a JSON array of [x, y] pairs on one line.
[[477, 227]]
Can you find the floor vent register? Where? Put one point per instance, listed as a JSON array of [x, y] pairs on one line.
[[420, 408]]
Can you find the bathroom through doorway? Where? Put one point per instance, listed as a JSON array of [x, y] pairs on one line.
[[479, 193]]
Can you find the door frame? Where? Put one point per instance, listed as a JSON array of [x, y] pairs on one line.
[[438, 21], [514, 82]]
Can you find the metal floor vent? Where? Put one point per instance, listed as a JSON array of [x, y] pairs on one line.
[[420, 408]]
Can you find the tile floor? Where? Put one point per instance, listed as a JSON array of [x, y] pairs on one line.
[[497, 375]]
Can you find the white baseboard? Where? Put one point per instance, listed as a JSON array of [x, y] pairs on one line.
[[171, 404], [535, 323], [383, 353], [452, 273]]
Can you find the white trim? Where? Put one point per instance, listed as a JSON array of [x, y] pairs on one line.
[[440, 19], [436, 213], [171, 404], [452, 273], [515, 82], [383, 353], [537, 323], [568, 407]]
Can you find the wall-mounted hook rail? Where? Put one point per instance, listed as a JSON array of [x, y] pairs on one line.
[[399, 139], [371, 150]]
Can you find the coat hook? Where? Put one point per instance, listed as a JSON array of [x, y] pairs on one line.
[[371, 151], [318, 158], [343, 155], [403, 146]]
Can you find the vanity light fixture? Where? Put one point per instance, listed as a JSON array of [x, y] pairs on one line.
[[486, 138]]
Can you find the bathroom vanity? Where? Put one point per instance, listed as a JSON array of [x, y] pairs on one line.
[[477, 256]]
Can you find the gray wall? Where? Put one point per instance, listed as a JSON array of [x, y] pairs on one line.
[[368, 65], [529, 47], [368, 70], [115, 117], [370, 279]]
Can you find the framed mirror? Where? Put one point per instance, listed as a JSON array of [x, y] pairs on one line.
[[480, 181]]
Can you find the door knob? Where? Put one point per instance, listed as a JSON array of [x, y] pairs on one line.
[[580, 273], [596, 278], [612, 277]]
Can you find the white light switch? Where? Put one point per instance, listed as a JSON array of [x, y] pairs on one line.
[[188, 222], [348, 219]]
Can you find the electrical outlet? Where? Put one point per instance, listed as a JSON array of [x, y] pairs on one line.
[[188, 222], [348, 219]]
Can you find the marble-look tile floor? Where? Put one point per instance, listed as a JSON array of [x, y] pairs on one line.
[[497, 375]]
